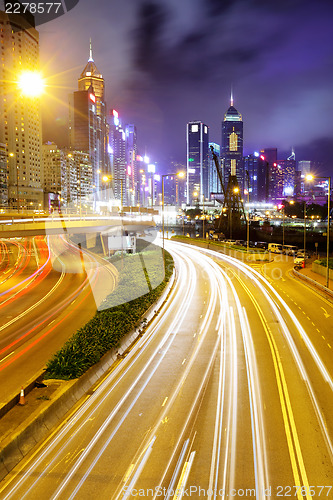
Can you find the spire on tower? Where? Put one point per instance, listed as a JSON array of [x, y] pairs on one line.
[[231, 97], [292, 156], [90, 52]]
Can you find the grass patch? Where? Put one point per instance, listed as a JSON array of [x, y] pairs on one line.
[[106, 329]]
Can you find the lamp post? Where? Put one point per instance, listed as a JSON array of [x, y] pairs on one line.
[[121, 191], [304, 202], [311, 178], [180, 175], [248, 213], [203, 213], [283, 217]]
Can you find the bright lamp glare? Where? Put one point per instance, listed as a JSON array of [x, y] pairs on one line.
[[31, 83]]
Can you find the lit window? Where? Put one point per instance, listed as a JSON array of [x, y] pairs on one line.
[[194, 128], [233, 142]]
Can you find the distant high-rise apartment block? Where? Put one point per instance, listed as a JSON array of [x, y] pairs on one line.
[[67, 174], [232, 145], [21, 131], [197, 140]]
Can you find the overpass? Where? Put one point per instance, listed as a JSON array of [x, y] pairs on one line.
[[11, 228]]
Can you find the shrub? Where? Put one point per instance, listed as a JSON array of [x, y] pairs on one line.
[[106, 329]]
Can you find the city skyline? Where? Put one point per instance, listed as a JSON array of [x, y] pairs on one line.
[[161, 74]]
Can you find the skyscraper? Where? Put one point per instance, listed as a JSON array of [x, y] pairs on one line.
[[3, 177], [117, 148], [197, 139], [21, 132], [214, 184], [232, 145], [275, 174], [89, 103], [257, 168], [131, 154], [289, 175]]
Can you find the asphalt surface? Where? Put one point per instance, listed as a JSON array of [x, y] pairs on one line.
[[49, 288], [228, 394]]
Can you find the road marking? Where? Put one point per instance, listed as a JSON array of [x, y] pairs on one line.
[[128, 473], [329, 346], [165, 400], [294, 447], [180, 490], [183, 361], [325, 312]]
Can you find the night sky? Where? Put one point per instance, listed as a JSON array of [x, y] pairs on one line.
[[167, 62]]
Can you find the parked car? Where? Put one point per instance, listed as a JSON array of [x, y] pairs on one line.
[[262, 244], [274, 248], [289, 250], [300, 257]]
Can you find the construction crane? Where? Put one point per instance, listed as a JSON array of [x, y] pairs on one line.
[[232, 208]]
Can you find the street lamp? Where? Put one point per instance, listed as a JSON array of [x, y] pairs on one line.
[[31, 83], [180, 175], [248, 213], [311, 178], [121, 191]]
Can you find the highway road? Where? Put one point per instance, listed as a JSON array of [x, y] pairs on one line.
[[48, 289], [228, 394]]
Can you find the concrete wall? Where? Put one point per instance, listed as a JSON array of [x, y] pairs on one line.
[[317, 268]]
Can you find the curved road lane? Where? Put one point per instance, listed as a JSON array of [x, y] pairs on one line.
[[226, 395]]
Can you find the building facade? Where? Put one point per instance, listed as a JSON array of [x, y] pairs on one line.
[[197, 159], [214, 184], [289, 175], [21, 131], [3, 177], [256, 178]]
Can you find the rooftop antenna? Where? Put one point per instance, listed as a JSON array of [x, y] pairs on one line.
[[90, 52]]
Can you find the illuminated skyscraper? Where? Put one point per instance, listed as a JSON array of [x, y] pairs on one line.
[[213, 180], [83, 128], [91, 86], [117, 148], [257, 167], [289, 175], [232, 145], [21, 130], [3, 177], [131, 154], [197, 138]]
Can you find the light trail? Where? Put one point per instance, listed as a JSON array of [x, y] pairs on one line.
[[181, 295], [231, 326]]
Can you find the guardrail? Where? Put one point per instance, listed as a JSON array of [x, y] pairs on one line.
[[323, 288]]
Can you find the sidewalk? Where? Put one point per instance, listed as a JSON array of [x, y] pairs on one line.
[[317, 278]]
